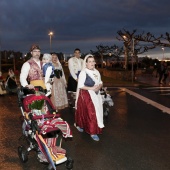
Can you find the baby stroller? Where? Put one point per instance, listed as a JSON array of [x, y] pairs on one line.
[[43, 129], [107, 101]]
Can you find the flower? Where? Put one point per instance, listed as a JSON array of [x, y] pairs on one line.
[[37, 104]]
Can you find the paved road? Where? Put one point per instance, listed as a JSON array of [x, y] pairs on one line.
[[135, 137], [151, 79]]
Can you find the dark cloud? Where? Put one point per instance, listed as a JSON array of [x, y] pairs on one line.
[[77, 23]]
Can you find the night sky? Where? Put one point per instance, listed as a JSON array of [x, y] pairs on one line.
[[79, 23]]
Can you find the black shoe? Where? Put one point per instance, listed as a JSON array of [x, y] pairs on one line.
[[70, 104]]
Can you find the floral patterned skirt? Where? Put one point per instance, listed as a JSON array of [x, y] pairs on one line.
[[59, 94]]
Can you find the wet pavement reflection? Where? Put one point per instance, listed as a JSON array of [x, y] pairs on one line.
[[136, 136]]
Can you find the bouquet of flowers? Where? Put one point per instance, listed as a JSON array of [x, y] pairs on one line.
[[37, 104]]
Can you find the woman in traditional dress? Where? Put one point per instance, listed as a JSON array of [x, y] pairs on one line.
[[89, 108], [58, 95]]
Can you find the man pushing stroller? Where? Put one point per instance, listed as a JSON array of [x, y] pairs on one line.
[[31, 71], [44, 118]]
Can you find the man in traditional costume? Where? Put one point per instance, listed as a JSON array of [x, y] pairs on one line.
[[89, 108], [31, 71], [75, 66]]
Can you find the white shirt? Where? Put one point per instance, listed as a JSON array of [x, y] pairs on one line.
[[75, 64], [24, 72]]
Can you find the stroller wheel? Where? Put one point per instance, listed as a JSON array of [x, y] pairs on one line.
[[69, 163], [106, 113], [23, 154], [105, 110], [50, 167]]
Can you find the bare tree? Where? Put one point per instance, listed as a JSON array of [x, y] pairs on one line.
[[164, 41], [105, 51], [135, 44]]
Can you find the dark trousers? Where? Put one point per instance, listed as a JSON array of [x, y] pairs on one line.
[[160, 77], [165, 77], [72, 84]]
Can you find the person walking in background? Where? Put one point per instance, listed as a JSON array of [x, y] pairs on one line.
[[160, 71], [59, 94], [2, 85], [75, 66], [31, 72], [89, 108], [11, 82], [165, 73]]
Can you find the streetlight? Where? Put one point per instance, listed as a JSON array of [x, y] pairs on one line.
[[50, 34], [163, 53], [125, 39], [23, 56], [108, 62], [127, 43]]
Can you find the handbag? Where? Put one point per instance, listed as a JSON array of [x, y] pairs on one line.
[[89, 81]]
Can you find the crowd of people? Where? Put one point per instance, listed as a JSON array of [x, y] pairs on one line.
[[82, 90], [84, 84]]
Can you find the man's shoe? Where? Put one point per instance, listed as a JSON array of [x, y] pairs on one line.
[[95, 137], [78, 128]]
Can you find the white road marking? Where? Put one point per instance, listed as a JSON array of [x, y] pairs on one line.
[[165, 94], [121, 87], [148, 101], [157, 88], [161, 90]]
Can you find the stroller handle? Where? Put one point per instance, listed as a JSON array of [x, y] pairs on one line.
[[32, 91]]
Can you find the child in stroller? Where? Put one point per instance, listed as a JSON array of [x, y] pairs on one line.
[[42, 128], [107, 101]]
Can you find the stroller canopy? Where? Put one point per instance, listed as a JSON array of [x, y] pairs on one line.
[[32, 98]]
